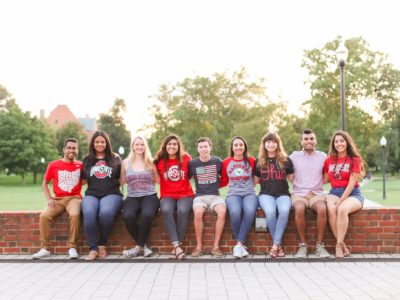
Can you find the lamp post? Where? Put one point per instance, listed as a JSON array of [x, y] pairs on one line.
[[121, 151], [383, 143], [42, 161], [341, 56]]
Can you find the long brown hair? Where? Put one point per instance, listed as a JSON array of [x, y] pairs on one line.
[[351, 150], [162, 153], [281, 156]]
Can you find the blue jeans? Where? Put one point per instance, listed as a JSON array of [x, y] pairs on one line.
[[276, 225], [242, 211], [99, 212]]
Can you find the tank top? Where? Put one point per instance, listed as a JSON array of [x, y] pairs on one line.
[[140, 183]]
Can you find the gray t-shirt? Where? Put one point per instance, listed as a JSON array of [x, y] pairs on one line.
[[140, 183], [206, 175]]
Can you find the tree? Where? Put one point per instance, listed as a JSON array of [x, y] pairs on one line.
[[113, 123], [6, 99], [72, 130], [24, 141], [218, 107], [368, 77], [290, 128]]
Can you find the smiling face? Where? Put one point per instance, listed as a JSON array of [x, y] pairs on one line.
[[308, 142], [172, 148], [340, 145], [204, 149], [238, 148], [271, 147], [138, 146], [70, 151], [100, 145]]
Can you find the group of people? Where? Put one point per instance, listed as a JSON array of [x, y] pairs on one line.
[[173, 168]]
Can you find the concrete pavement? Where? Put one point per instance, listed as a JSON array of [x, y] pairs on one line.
[[363, 277]]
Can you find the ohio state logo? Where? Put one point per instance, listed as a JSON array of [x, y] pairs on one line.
[[238, 172], [174, 174], [101, 170]]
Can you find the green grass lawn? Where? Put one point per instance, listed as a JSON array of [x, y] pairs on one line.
[[13, 196], [373, 190]]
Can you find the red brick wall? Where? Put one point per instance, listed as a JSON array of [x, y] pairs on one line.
[[371, 231]]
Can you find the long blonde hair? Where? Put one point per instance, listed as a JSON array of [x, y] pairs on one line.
[[281, 156], [147, 158]]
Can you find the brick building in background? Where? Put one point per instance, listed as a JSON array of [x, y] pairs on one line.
[[62, 115]]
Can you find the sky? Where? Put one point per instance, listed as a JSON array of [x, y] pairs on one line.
[[87, 53]]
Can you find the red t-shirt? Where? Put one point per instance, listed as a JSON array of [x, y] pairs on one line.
[[174, 180], [66, 178], [338, 173]]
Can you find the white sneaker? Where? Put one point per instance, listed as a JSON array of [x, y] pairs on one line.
[[147, 251], [133, 252], [244, 251], [42, 253], [73, 254], [237, 251]]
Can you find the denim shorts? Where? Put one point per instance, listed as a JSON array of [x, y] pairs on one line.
[[356, 193]]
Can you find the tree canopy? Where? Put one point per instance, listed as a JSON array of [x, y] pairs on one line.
[[368, 77], [218, 107], [113, 123]]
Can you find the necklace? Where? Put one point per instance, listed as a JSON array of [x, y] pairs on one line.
[[337, 171]]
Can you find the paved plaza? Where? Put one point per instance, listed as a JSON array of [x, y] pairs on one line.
[[363, 278]]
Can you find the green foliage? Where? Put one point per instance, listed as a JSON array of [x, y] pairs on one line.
[[218, 107], [5, 98], [290, 128], [25, 140], [113, 123], [72, 130], [393, 136], [368, 76]]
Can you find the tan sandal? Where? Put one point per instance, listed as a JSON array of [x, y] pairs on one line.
[[102, 252], [339, 250], [197, 252], [92, 255], [346, 251]]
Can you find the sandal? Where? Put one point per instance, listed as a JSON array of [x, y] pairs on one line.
[[172, 255], [197, 252], [281, 253], [179, 255], [273, 252], [339, 250], [217, 252], [102, 252], [346, 251], [92, 255]]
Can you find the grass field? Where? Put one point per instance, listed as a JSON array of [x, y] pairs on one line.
[[13, 196]]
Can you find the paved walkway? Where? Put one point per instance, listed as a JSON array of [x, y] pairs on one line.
[[363, 277]]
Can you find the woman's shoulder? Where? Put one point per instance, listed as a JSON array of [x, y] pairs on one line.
[[227, 159], [186, 156]]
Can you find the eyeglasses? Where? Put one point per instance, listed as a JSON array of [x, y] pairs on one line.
[[71, 148]]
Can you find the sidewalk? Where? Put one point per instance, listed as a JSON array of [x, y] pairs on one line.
[[359, 277]]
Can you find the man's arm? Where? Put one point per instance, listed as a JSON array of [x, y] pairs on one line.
[[46, 191]]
